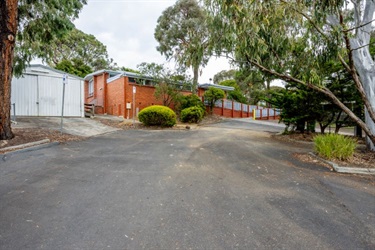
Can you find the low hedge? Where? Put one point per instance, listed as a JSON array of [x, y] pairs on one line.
[[192, 114], [157, 115]]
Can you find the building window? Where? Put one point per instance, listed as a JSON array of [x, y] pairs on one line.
[[91, 87], [131, 79]]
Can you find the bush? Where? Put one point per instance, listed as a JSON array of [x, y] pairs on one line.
[[192, 114], [190, 101], [212, 95], [334, 146], [157, 115]]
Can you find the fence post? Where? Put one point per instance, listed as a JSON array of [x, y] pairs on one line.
[[222, 107], [14, 112], [274, 114], [268, 113], [254, 116], [241, 110], [232, 108]]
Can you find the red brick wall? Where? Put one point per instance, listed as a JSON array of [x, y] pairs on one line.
[[200, 92], [100, 89], [144, 96], [99, 92], [115, 104], [111, 98]]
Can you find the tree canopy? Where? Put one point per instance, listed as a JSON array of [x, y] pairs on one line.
[[31, 24], [183, 35], [39, 24], [292, 40], [74, 67], [168, 83], [212, 95], [236, 94], [77, 45]]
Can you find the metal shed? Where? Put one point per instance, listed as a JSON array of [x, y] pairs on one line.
[[39, 93]]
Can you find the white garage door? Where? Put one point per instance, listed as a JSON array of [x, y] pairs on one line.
[[42, 96]]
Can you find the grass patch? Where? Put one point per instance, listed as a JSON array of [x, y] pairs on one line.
[[334, 146]]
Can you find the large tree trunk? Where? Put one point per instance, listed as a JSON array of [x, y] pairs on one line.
[[363, 62], [8, 31], [195, 79]]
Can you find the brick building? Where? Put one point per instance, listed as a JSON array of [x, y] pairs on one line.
[[205, 86], [111, 92]]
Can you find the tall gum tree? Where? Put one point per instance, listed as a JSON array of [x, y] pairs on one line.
[[26, 27], [8, 31], [292, 40], [183, 35], [77, 45]]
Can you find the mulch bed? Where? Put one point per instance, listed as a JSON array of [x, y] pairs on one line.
[[26, 135], [362, 157], [127, 125]]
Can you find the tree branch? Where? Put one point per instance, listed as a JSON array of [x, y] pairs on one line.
[[352, 70], [323, 90], [357, 27], [360, 47]]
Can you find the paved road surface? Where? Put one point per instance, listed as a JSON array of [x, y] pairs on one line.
[[226, 186]]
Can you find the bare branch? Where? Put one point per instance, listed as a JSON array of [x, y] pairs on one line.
[[360, 47], [323, 90], [359, 26]]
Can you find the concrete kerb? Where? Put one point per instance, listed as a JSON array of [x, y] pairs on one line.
[[267, 122], [27, 147], [345, 170]]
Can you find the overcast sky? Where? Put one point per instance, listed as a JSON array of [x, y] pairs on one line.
[[126, 27]]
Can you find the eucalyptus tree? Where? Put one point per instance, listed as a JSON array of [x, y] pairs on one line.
[[168, 83], [224, 75], [30, 24], [77, 45], [236, 94], [183, 36], [74, 67], [292, 40]]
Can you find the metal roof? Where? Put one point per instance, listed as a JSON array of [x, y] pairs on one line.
[[114, 73], [99, 72], [208, 85], [52, 69]]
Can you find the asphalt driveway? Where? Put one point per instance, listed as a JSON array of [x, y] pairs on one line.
[[227, 186]]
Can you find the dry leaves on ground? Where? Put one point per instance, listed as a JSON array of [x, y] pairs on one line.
[[126, 125], [362, 158], [26, 135]]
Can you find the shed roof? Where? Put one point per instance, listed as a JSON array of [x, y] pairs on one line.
[[39, 69]]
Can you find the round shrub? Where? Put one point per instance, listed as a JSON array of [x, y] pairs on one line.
[[191, 101], [192, 114], [334, 146], [157, 115]]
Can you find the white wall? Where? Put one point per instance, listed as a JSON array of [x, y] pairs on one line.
[[39, 93]]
